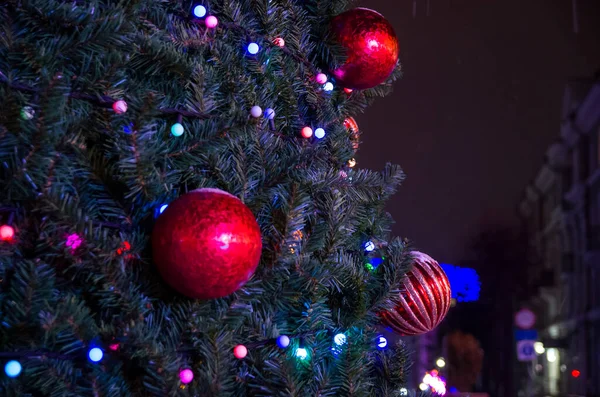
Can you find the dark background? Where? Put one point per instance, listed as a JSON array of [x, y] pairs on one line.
[[476, 109]]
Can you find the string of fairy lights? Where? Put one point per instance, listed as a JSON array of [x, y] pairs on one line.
[[119, 106], [199, 14], [96, 352]]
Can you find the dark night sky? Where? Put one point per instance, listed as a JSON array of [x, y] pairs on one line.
[[477, 107]]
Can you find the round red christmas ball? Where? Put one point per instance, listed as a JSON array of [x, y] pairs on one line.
[[371, 48], [206, 244], [424, 300]]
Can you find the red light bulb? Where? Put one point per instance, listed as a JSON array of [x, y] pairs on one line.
[[7, 233], [575, 373], [240, 352], [306, 132]]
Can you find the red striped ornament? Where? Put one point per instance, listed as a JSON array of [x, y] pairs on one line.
[[424, 301]]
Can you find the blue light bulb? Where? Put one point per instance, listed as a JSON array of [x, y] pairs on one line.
[[128, 128], [177, 129], [269, 114], [319, 133], [283, 341], [381, 342], [253, 48], [328, 87], [163, 208], [199, 11], [13, 368], [339, 339], [95, 354], [375, 262]]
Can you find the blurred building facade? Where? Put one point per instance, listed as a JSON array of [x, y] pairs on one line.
[[560, 214]]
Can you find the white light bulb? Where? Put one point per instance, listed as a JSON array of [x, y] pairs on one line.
[[301, 353], [255, 111], [320, 133], [339, 339]]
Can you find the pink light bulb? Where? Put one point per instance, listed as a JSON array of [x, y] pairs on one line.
[[74, 241], [321, 78], [120, 106], [211, 22], [186, 376]]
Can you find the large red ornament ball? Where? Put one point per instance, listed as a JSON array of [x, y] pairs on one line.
[[371, 48], [425, 299], [206, 244]]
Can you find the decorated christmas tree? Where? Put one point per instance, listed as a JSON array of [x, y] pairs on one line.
[[180, 211]]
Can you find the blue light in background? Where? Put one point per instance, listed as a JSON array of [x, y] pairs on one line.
[[464, 282]]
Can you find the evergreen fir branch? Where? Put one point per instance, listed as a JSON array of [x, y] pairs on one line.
[[77, 168]]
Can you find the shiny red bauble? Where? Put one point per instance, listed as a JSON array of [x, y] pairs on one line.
[[352, 128], [206, 244], [424, 300], [371, 48]]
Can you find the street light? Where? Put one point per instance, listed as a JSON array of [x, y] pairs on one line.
[[441, 363], [539, 347], [552, 355]]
